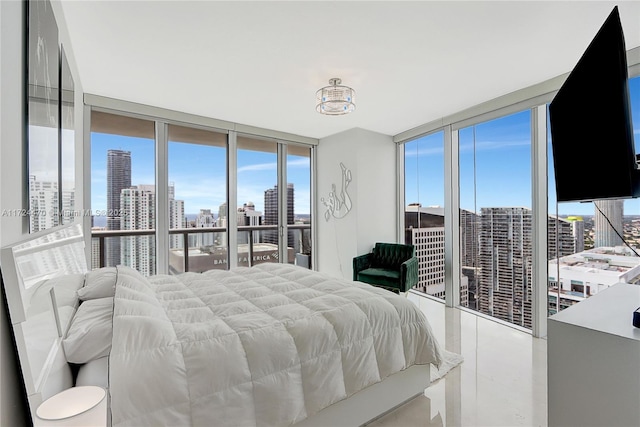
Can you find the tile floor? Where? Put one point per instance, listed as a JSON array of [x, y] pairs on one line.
[[502, 381]]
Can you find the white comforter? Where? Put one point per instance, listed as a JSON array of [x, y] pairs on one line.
[[262, 346]]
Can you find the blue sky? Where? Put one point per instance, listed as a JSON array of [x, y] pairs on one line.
[[502, 165], [199, 173]]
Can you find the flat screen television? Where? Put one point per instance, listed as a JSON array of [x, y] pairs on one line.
[[591, 127]]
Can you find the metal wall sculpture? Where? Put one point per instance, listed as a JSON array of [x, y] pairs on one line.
[[338, 204]]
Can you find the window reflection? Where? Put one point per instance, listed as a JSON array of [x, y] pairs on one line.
[[43, 117]]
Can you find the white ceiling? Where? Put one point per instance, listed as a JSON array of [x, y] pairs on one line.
[[261, 63]]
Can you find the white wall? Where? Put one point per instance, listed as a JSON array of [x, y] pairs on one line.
[[371, 158], [13, 187]]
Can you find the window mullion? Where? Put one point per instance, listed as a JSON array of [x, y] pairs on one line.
[[283, 231], [539, 179], [162, 199], [452, 218], [232, 200]]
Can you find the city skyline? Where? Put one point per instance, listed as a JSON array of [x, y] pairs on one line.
[[496, 249], [198, 173]]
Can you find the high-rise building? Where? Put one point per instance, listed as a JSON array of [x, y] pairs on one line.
[[608, 219], [504, 283], [577, 228], [505, 260], [204, 219], [271, 213], [138, 208], [221, 221], [43, 203], [176, 218], [118, 178], [424, 229], [469, 250], [469, 242], [248, 215], [562, 239]]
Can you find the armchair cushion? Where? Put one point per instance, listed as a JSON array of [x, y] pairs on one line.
[[380, 276]]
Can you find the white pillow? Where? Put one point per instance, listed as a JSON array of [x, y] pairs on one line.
[[100, 283], [91, 331]]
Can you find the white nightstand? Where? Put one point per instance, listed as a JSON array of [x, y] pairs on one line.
[[77, 406]]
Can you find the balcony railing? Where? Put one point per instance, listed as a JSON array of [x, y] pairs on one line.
[[246, 244]]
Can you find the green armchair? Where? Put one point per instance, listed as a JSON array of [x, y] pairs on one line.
[[391, 266]]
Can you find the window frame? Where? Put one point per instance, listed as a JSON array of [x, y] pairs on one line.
[[162, 119], [533, 98]]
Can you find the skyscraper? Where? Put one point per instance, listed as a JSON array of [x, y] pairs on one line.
[[504, 285], [425, 231], [43, 203], [118, 178], [271, 213], [605, 231], [469, 225], [221, 221], [176, 218], [248, 215], [138, 208], [204, 219], [562, 237], [469, 250], [577, 228]]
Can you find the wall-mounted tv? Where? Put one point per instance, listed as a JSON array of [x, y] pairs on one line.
[[591, 128]]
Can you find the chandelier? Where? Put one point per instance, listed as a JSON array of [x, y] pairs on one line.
[[335, 99]]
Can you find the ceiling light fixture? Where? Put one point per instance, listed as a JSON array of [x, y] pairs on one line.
[[336, 99]]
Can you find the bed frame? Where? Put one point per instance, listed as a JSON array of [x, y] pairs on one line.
[[38, 318], [39, 322]]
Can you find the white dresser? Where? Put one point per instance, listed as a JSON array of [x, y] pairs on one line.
[[593, 356]]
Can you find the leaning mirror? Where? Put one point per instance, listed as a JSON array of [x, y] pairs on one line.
[[43, 117]]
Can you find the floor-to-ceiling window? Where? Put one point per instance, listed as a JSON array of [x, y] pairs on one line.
[[496, 217], [299, 206], [123, 192], [423, 212], [592, 245], [232, 199], [197, 195], [258, 201]]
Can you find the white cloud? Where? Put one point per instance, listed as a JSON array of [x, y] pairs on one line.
[[302, 163], [258, 167], [493, 145]]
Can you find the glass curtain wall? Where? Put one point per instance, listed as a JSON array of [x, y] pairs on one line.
[[424, 211], [496, 217], [592, 245], [197, 193], [299, 206], [123, 191], [258, 201]]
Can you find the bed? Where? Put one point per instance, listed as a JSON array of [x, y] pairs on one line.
[[269, 345]]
